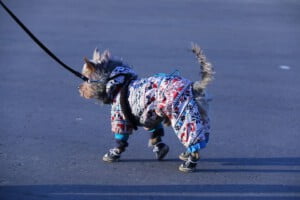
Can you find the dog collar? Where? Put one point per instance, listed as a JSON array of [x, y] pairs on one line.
[[95, 81]]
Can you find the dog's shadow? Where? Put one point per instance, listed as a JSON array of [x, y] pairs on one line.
[[223, 165], [279, 161], [150, 160]]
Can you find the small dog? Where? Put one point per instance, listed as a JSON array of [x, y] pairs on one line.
[[149, 102]]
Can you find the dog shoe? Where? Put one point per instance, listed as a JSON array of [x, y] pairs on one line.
[[188, 166], [112, 156], [185, 156], [160, 150]]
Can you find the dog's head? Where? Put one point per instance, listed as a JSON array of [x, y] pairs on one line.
[[98, 69]]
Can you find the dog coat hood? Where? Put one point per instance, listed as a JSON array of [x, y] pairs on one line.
[[117, 78]]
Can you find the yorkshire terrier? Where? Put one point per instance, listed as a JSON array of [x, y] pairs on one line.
[[150, 102]]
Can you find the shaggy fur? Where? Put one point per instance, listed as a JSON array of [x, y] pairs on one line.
[[206, 69], [99, 68], [207, 76]]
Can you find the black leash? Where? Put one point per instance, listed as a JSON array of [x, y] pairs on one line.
[[76, 73], [125, 107]]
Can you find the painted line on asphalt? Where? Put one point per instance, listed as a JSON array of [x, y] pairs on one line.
[[178, 194]]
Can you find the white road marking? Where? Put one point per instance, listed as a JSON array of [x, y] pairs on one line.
[[182, 194]]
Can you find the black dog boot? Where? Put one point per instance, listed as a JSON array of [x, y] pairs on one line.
[[113, 155], [190, 164], [185, 156], [161, 150]]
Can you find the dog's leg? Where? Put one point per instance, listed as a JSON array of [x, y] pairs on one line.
[[114, 154], [121, 140], [159, 148]]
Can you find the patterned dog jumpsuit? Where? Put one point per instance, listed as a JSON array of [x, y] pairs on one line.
[[158, 97]]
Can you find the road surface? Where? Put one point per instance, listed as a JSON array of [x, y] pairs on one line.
[[52, 140]]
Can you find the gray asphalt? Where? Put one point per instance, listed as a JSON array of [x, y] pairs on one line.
[[52, 140]]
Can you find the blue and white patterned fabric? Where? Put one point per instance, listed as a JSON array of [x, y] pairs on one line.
[[157, 97]]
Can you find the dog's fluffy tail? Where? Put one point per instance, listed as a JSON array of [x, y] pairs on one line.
[[207, 70]]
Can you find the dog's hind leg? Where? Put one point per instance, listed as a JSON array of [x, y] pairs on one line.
[[159, 148]]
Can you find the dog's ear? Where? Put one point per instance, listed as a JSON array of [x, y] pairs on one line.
[[96, 55], [90, 66], [105, 56]]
